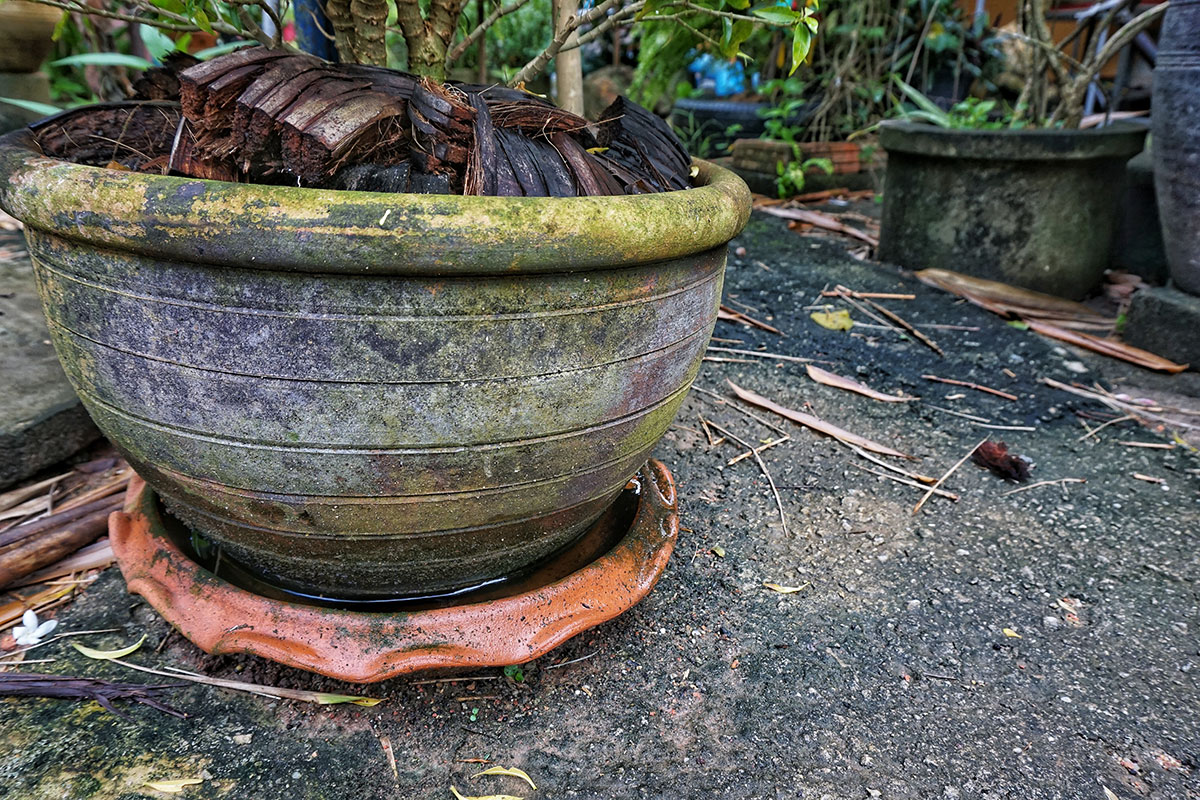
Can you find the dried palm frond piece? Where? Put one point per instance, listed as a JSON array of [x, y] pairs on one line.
[[262, 116]]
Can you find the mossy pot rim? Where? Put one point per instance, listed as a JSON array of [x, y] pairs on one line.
[[1120, 139], [348, 232]]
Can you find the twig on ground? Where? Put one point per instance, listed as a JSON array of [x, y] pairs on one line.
[[873, 295], [898, 470], [941, 480], [971, 417], [731, 315], [905, 481], [1093, 431], [968, 385], [759, 449], [767, 473], [761, 354], [1148, 478], [1044, 483], [572, 661], [1150, 445], [464, 679], [1004, 427], [894, 317]]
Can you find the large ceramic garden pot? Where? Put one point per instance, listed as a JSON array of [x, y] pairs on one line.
[[1177, 141], [1033, 208], [360, 394]]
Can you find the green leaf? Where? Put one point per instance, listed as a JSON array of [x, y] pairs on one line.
[[651, 8], [30, 105], [202, 20], [108, 655], [61, 27], [932, 113], [801, 44], [778, 15], [740, 5], [735, 34], [102, 60], [222, 49]]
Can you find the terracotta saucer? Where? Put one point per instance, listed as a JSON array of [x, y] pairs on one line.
[[535, 616]]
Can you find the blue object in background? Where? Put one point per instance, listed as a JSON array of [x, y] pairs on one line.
[[310, 19], [722, 78]]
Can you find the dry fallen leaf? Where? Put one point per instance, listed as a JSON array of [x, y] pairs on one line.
[[718, 550], [833, 320], [108, 655], [808, 420], [512, 772], [1005, 300], [174, 786], [459, 796], [837, 381], [1107, 347], [775, 587], [1109, 795], [1010, 633]]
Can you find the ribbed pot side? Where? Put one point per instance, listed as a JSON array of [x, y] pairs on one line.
[[1032, 208], [362, 394], [1176, 147]]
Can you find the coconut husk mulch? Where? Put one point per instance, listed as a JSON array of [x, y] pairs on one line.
[[263, 116]]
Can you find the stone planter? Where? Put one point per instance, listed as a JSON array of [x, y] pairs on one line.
[[25, 35], [1032, 208], [1176, 147], [364, 395]]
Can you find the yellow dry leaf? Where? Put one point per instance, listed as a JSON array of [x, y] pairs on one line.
[[174, 786], [833, 320], [1109, 794], [459, 796], [720, 551], [325, 699], [108, 655], [1010, 633], [512, 772], [775, 587], [597, 150]]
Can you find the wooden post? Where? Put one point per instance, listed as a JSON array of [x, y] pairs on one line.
[[568, 65]]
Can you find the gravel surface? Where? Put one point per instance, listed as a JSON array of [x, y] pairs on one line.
[[1036, 645]]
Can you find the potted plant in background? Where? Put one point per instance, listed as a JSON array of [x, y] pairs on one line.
[[845, 87], [362, 393], [1024, 196]]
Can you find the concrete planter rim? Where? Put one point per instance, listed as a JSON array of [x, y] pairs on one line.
[[1121, 139], [343, 232]]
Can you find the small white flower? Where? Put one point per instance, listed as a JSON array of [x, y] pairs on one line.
[[29, 632]]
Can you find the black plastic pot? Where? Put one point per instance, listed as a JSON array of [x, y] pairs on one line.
[[714, 120], [1032, 208], [1176, 145]]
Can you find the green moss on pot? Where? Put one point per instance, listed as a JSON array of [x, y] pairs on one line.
[[364, 394]]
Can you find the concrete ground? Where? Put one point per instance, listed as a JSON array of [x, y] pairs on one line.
[[1038, 645]]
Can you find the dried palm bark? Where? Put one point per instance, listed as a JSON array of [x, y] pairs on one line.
[[263, 116]]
